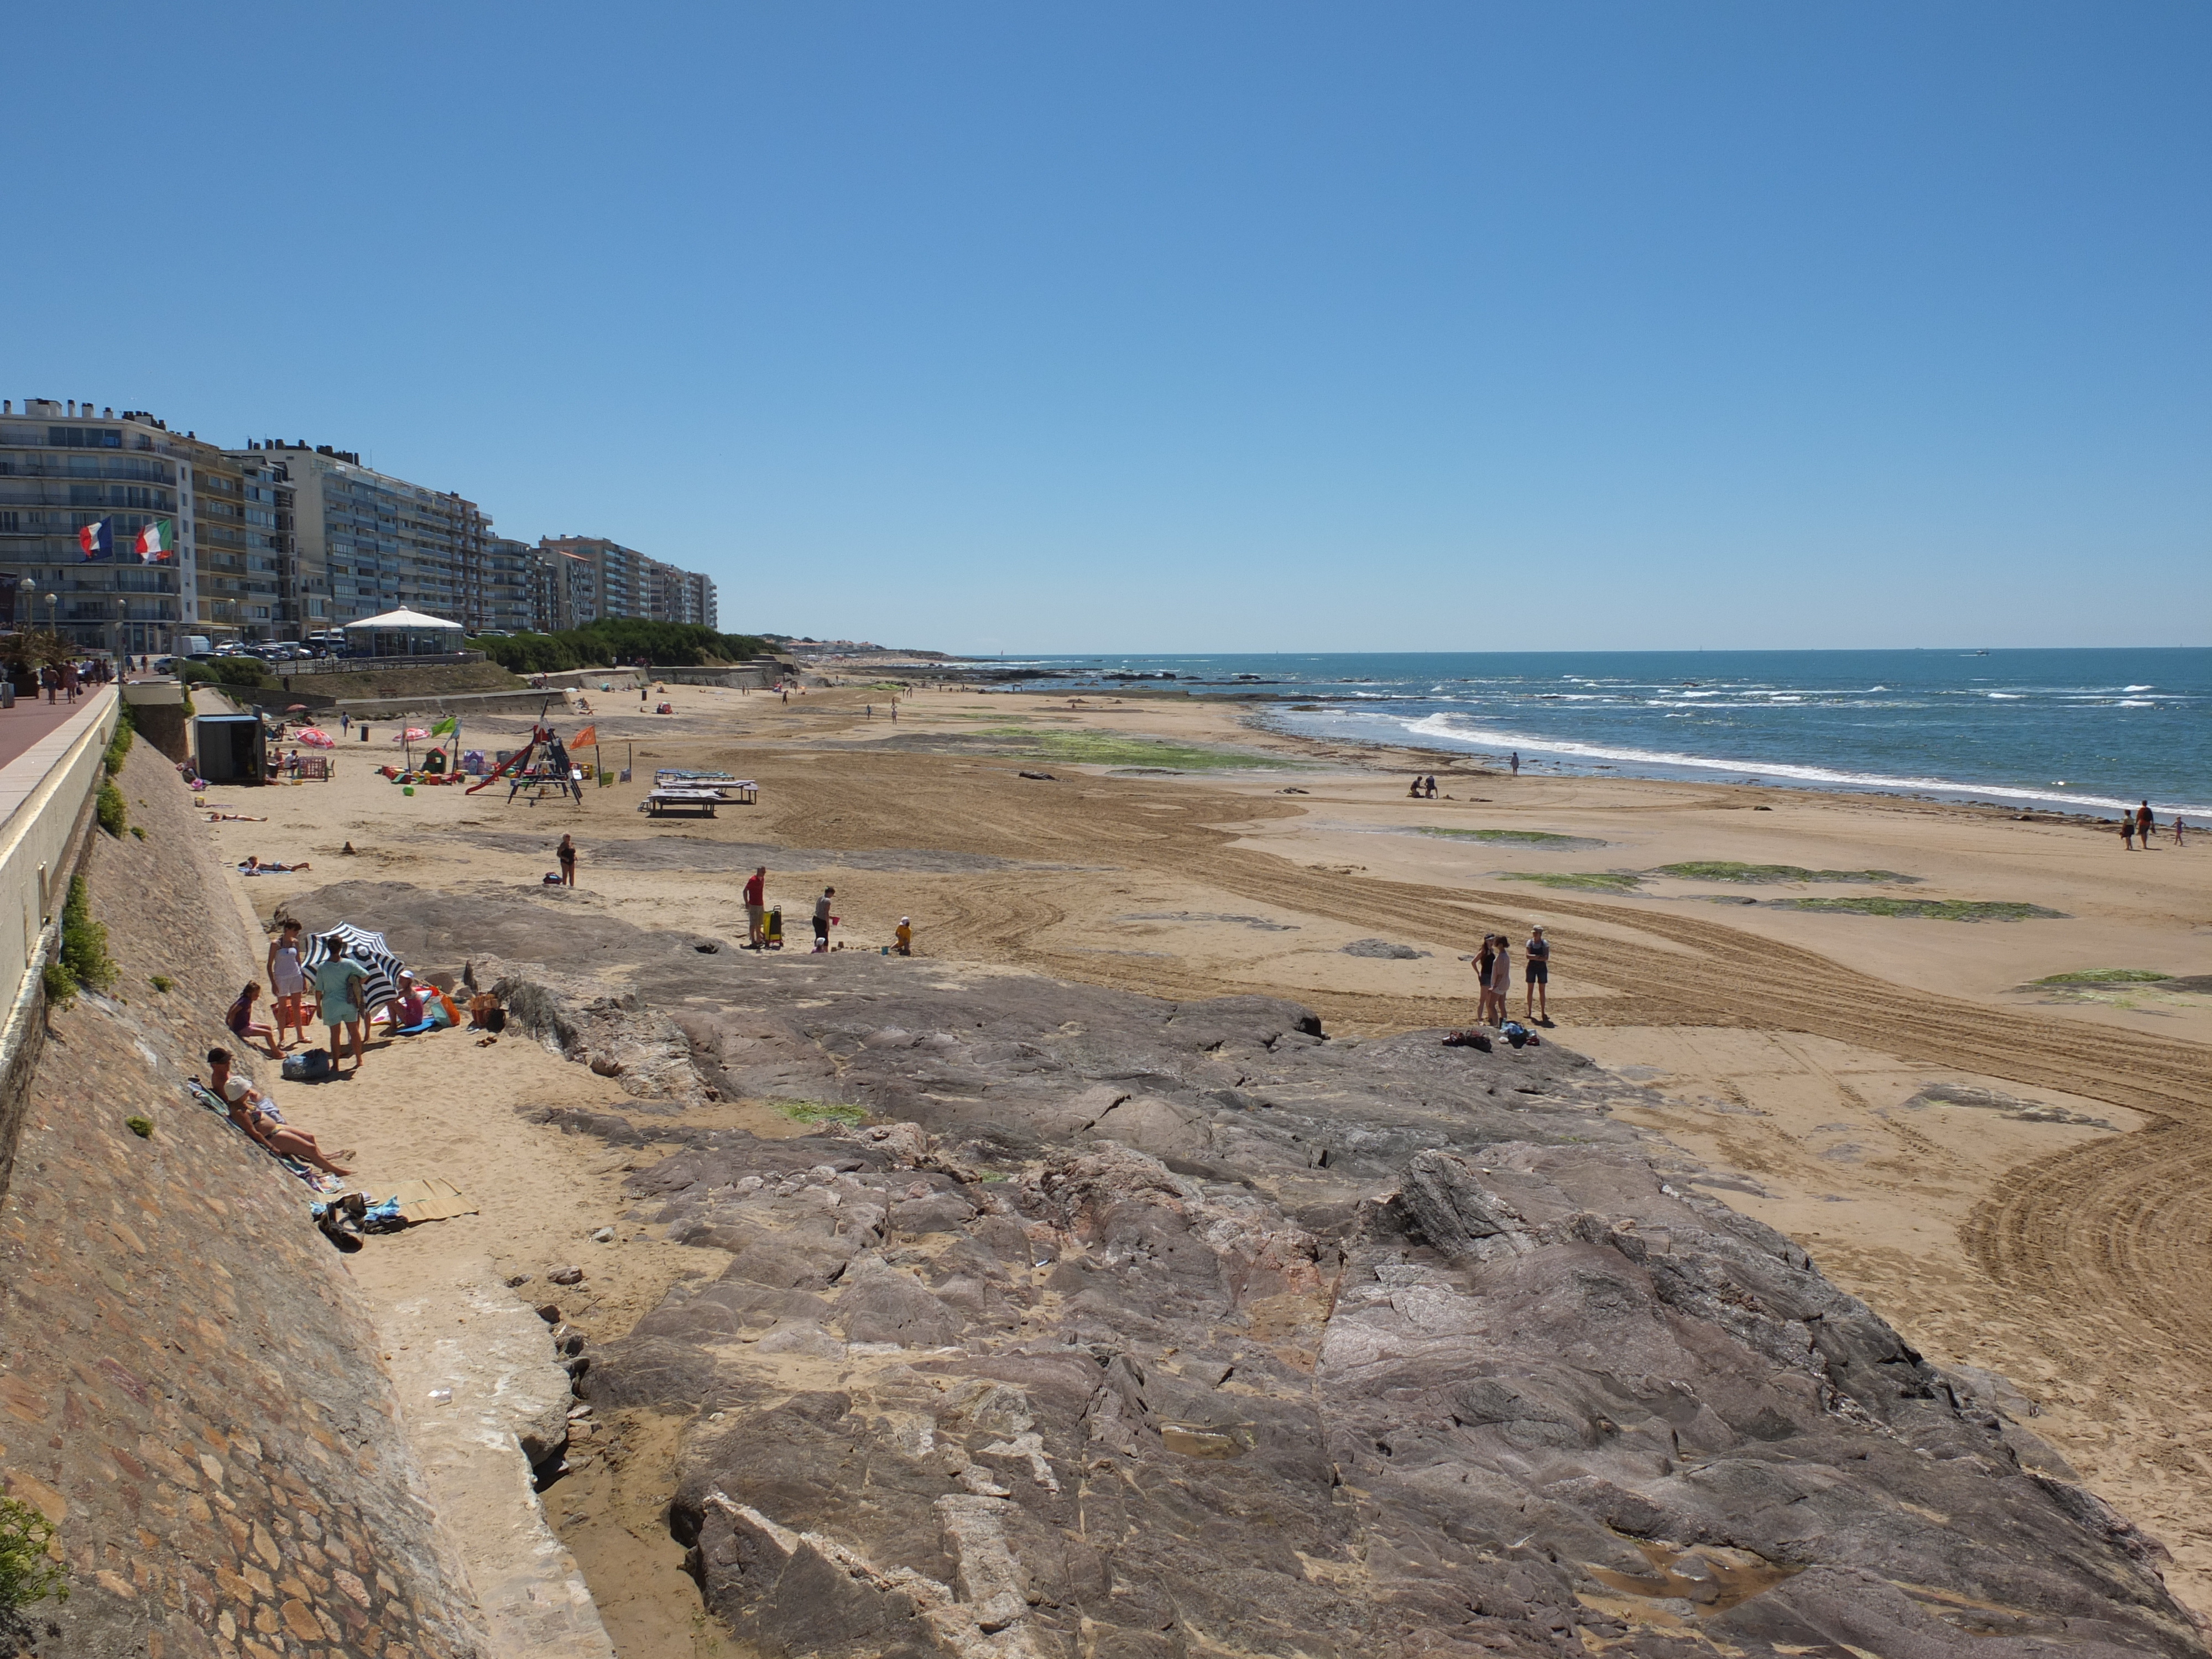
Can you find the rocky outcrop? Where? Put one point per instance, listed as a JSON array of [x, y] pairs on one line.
[[1132, 1327]]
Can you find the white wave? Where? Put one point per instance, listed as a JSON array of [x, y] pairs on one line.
[[1453, 728], [2136, 702], [2138, 688], [2003, 696]]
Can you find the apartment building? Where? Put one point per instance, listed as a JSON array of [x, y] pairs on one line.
[[364, 542], [510, 596], [605, 578], [63, 466], [242, 554], [278, 541]]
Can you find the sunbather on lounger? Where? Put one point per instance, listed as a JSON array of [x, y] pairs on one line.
[[252, 1113]]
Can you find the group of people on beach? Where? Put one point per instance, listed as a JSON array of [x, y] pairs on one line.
[[757, 919], [1494, 972], [2142, 824], [340, 984]]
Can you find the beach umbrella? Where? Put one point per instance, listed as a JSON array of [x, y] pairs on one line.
[[367, 948], [315, 738], [413, 734], [297, 708]]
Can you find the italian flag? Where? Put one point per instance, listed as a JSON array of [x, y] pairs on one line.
[[157, 541]]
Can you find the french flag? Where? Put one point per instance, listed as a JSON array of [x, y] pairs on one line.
[[96, 538]]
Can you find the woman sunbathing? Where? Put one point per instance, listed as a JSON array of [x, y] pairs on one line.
[[250, 1109], [258, 866]]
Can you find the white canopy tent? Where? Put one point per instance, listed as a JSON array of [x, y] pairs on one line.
[[403, 632]]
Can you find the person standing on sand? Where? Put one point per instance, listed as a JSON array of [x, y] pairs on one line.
[[756, 909], [339, 983], [2128, 831], [1536, 976], [287, 983], [2177, 828], [1517, 762], [823, 918], [2144, 825], [1501, 977], [566, 851], [1484, 959], [904, 938]]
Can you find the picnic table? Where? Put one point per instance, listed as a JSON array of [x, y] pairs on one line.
[[725, 785], [661, 801]]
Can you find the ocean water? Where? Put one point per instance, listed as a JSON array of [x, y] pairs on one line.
[[2082, 730]]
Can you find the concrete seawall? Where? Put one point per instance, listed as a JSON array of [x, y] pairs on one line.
[[190, 1385], [46, 797]]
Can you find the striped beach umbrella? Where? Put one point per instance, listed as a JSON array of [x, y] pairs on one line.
[[369, 950]]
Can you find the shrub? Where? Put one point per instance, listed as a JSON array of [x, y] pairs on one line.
[[139, 832], [113, 815], [162, 982], [250, 672], [120, 744], [141, 1127], [84, 941], [611, 639], [27, 1572], [60, 983]]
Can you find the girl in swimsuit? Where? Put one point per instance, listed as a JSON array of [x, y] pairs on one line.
[[244, 1027], [287, 983]]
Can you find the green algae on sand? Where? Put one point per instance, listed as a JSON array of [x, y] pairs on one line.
[[1610, 881], [1927, 910], [822, 1111], [1541, 838], [1763, 874], [1106, 749], [2105, 976]]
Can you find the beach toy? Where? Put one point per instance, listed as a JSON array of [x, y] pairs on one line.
[[407, 788]]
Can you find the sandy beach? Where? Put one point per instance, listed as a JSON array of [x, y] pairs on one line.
[[2015, 1174]]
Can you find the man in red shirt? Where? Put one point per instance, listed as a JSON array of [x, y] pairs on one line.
[[756, 909]]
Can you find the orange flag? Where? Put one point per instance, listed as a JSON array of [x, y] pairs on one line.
[[588, 736]]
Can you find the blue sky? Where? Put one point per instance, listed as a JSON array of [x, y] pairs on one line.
[[1174, 328]]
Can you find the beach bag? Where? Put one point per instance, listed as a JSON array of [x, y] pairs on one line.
[[1468, 1039], [440, 1010], [311, 1066], [1514, 1032]]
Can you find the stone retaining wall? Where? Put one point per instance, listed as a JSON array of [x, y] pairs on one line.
[[190, 1385]]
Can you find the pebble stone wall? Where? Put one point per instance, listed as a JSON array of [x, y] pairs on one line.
[[189, 1380]]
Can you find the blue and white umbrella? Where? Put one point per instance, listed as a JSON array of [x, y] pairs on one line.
[[381, 968]]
